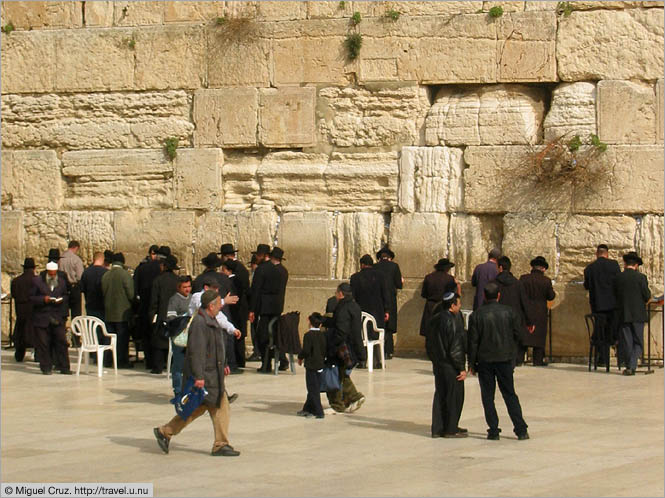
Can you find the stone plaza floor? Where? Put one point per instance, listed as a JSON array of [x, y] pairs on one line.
[[592, 434]]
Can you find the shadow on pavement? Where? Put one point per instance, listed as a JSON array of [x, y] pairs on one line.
[[280, 407], [141, 396]]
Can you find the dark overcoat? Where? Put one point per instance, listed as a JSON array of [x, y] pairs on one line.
[[371, 293], [483, 273], [512, 294], [266, 288], [163, 287], [21, 287], [599, 279], [435, 285], [537, 291], [144, 275], [632, 291], [206, 356], [43, 312], [393, 278]]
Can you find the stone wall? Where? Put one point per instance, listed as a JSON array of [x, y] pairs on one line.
[[421, 142]]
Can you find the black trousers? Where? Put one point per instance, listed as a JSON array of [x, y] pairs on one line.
[[22, 325], [632, 343], [145, 332], [75, 300], [389, 343], [51, 338], [489, 375], [448, 401], [313, 383], [229, 347], [538, 355]]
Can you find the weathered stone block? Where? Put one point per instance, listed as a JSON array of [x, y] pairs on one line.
[[310, 60], [44, 230], [192, 11], [28, 53], [660, 105], [287, 117], [578, 237], [13, 245], [93, 229], [364, 118], [650, 247], [111, 69], [95, 120], [31, 179], [497, 114], [307, 240], [239, 58], [118, 179], [138, 13], [506, 6], [572, 111], [170, 228], [171, 57], [527, 235], [471, 239], [99, 14], [256, 227], [378, 69], [626, 112], [241, 187], [602, 44], [430, 179], [198, 178], [328, 10], [226, 117], [357, 234], [35, 15], [379, 9], [584, 5], [418, 240], [544, 5], [281, 11], [633, 182]]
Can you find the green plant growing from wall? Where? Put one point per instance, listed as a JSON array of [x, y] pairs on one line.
[[8, 28], [171, 147], [341, 5], [564, 8], [356, 18], [220, 21], [393, 15], [595, 141], [495, 12], [131, 43], [353, 43], [574, 144]]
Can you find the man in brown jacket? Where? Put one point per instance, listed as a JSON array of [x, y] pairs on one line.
[[206, 362]]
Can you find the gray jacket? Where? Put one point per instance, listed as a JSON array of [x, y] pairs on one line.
[[206, 356]]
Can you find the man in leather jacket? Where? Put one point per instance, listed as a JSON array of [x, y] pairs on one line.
[[445, 343], [493, 335]]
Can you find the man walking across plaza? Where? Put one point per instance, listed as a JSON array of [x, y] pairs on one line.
[[632, 292], [206, 362], [493, 335]]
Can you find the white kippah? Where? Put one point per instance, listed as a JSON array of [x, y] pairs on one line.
[[448, 296], [51, 265]]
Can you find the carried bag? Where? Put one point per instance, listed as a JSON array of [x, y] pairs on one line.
[[344, 355], [189, 399], [329, 379], [181, 339]]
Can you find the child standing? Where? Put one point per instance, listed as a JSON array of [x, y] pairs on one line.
[[314, 354]]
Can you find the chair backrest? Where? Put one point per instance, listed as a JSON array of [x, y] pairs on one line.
[[86, 328], [366, 320], [466, 314]]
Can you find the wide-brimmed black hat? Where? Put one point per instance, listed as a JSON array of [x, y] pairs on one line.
[[277, 253], [262, 249], [385, 250], [227, 249], [108, 256], [28, 263], [171, 263], [631, 258], [211, 260], [119, 257], [366, 260], [443, 264], [53, 254], [163, 252], [539, 261]]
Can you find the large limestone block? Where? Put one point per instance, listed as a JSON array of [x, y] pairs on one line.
[[660, 105], [138, 13], [578, 237], [13, 244], [28, 53], [226, 117], [94, 231], [633, 182], [356, 234], [36, 15], [96, 120], [238, 56], [362, 181], [602, 4], [281, 11], [198, 178], [572, 111], [170, 57], [569, 334], [254, 228], [98, 14], [31, 179], [527, 235], [99, 59], [430, 179], [287, 117], [506, 6], [135, 231], [310, 60], [497, 114], [45, 230], [603, 44], [650, 247], [418, 240], [364, 118], [379, 9], [192, 11], [544, 5], [626, 112], [118, 179], [471, 239], [498, 180], [328, 9], [241, 186], [307, 240]]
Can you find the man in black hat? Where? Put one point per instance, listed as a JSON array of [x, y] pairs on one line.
[[371, 293], [435, 285], [393, 278], [632, 292], [599, 278], [512, 294], [144, 275], [21, 288], [163, 287], [239, 312], [484, 273], [537, 292]]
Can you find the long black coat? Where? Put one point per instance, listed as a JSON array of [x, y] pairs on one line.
[[446, 341], [632, 291], [537, 291], [371, 293], [206, 356], [163, 287], [144, 275], [21, 288], [346, 329], [268, 289], [512, 294], [393, 278], [599, 279], [43, 312], [435, 285]]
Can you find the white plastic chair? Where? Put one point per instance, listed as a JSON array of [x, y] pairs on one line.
[[86, 328], [367, 319], [466, 314]]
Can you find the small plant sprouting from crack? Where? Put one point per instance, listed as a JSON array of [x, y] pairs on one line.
[[356, 18], [496, 12], [171, 147], [393, 15], [353, 43], [8, 28]]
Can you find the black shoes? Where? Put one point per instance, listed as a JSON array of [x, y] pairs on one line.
[[225, 451], [628, 371], [389, 356], [233, 397], [124, 365], [522, 437], [156, 371], [493, 437], [462, 430], [303, 413], [254, 357], [456, 435], [66, 372], [236, 371], [162, 440], [283, 366], [47, 372]]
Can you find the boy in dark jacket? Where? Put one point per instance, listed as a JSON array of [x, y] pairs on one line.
[[314, 354], [445, 343]]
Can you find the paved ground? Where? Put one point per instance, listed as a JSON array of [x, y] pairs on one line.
[[592, 434]]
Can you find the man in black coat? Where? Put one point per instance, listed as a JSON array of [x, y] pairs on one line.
[[371, 293], [21, 287], [446, 347], [493, 335], [393, 279], [512, 294], [435, 285], [91, 286], [632, 293], [49, 299], [240, 312], [537, 292], [163, 287], [599, 278], [144, 275]]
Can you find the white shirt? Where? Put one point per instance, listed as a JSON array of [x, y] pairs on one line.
[[224, 322]]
